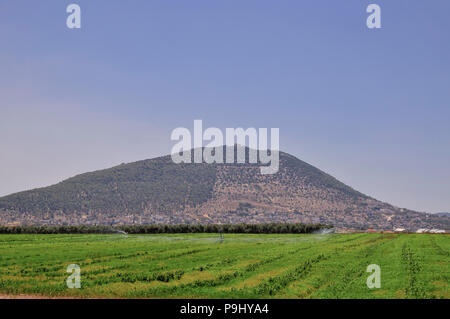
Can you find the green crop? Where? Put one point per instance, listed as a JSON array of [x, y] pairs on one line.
[[236, 266]]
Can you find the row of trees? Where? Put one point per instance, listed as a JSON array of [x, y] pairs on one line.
[[57, 229], [271, 228]]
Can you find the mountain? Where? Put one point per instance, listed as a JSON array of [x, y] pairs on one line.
[[443, 214], [160, 191]]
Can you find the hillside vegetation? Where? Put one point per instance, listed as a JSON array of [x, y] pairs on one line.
[[158, 191]]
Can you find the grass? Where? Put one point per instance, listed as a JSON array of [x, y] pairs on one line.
[[242, 266]]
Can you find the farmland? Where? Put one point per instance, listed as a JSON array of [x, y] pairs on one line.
[[237, 266]]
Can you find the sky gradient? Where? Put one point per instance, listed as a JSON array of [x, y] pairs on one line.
[[370, 107]]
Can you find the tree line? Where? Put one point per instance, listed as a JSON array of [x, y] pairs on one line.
[[269, 228]]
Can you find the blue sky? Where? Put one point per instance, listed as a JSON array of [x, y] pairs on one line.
[[370, 107]]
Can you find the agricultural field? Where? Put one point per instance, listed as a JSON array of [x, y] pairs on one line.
[[235, 266]]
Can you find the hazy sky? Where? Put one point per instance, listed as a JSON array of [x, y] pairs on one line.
[[370, 107]]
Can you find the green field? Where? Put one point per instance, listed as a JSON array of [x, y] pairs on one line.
[[240, 266]]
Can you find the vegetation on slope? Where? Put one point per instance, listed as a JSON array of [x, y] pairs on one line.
[[124, 188], [158, 183], [158, 191]]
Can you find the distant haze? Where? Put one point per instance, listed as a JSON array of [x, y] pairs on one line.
[[370, 107]]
